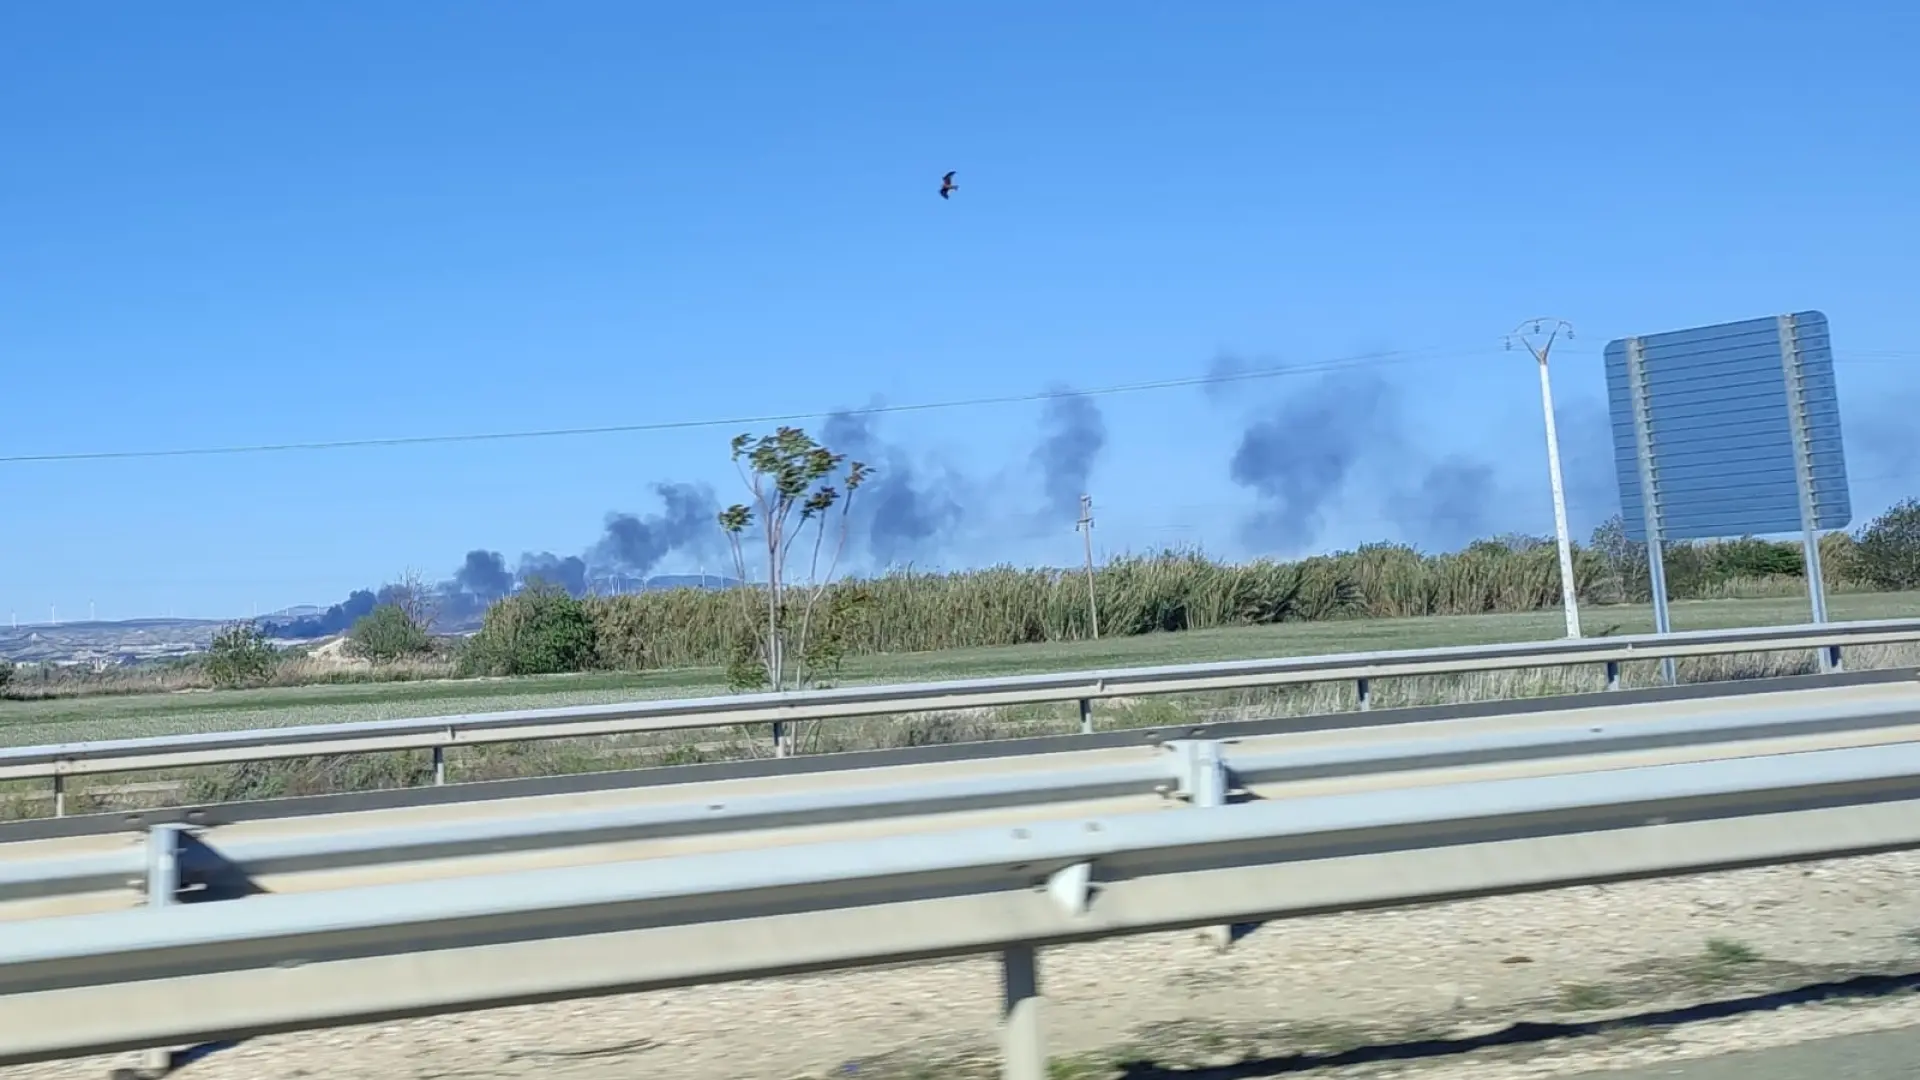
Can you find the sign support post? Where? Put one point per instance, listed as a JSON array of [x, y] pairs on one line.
[[1650, 501], [1790, 360], [1724, 431]]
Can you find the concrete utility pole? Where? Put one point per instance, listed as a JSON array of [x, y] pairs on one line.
[[1525, 334], [1085, 527]]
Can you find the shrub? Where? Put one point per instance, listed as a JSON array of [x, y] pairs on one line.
[[539, 630], [388, 633], [1840, 560], [6, 673], [1888, 549], [1748, 557], [240, 655]]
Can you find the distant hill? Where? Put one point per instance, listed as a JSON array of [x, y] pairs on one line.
[[298, 611], [131, 641], [689, 581]]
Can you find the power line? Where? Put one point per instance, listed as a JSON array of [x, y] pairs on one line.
[[1249, 374], [1396, 356]]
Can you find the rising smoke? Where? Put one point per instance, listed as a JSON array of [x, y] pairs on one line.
[[899, 515], [631, 547], [1882, 441], [1341, 443], [1326, 446], [483, 576], [1072, 435], [915, 510], [1449, 507], [569, 573], [1585, 430], [1298, 455]]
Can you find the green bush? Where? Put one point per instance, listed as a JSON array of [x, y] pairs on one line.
[[240, 655], [388, 633], [1749, 557], [538, 631], [6, 673], [1888, 549]]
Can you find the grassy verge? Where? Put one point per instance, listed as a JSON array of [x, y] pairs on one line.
[[73, 719], [363, 772]]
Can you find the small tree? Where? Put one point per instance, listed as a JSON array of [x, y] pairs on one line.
[[417, 599], [1888, 550], [240, 655], [388, 633], [6, 673], [792, 481], [1623, 562], [539, 630]]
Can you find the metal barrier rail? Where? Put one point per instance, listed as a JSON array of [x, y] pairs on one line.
[[187, 973], [1199, 770], [58, 761]]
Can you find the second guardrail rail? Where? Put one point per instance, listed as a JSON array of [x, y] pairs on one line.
[[55, 762], [188, 973], [41, 877]]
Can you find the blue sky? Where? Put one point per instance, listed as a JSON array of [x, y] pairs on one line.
[[236, 224]]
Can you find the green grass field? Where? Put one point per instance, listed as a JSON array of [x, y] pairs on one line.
[[82, 718]]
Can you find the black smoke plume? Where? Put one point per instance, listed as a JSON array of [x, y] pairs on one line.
[[1585, 430], [569, 573], [1450, 507], [484, 576], [1881, 442], [335, 620], [898, 515], [632, 546], [1072, 435], [1297, 456]]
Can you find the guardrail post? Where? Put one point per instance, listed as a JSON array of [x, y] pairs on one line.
[[439, 766], [1022, 1016], [59, 795], [1204, 780], [1833, 659], [1086, 716], [1613, 674], [1364, 688], [164, 843]]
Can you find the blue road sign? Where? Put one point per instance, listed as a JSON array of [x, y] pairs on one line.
[[1735, 414], [1729, 430]]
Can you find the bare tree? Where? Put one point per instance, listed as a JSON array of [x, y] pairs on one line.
[[792, 482], [417, 599]]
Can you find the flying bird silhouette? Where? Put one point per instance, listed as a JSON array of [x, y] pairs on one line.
[[947, 186]]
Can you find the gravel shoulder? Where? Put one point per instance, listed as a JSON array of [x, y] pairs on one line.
[[1551, 984]]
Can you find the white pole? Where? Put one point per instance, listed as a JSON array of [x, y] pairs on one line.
[[1561, 534]]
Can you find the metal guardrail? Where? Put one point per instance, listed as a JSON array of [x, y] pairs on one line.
[[186, 973], [1199, 770], [58, 761]]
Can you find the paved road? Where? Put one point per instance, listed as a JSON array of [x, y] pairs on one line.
[[1882, 1055]]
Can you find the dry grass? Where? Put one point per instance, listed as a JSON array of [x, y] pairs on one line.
[[366, 772], [295, 668]]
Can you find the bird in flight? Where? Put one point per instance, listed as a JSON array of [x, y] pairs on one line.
[[947, 186]]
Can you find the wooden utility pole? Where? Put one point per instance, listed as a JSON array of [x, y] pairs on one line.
[[1085, 527]]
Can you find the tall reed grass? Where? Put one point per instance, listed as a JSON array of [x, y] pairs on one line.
[[1163, 592]]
